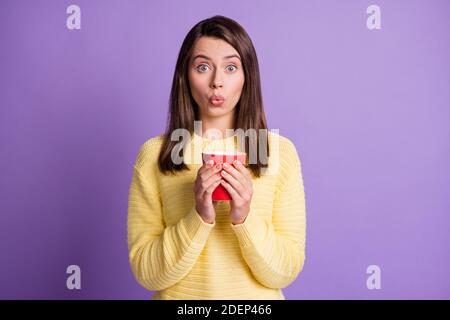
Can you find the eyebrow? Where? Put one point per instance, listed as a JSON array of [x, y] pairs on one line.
[[208, 58]]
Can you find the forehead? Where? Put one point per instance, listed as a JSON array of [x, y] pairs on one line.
[[213, 47]]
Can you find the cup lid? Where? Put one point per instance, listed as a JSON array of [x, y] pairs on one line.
[[225, 153]]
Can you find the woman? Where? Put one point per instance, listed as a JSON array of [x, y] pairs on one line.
[[184, 245]]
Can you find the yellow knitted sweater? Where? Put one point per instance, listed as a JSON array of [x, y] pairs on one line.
[[174, 252]]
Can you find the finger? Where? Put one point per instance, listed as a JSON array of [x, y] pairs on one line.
[[211, 171], [236, 184], [205, 175], [206, 166], [210, 190], [233, 193], [211, 180], [233, 172], [242, 169]]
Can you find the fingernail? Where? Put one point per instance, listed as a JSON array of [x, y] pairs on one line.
[[218, 166], [237, 162], [210, 161], [226, 165]]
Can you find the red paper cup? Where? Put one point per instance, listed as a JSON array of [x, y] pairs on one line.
[[220, 193]]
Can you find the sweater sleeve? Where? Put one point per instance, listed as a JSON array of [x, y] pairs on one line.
[[275, 249], [160, 255]]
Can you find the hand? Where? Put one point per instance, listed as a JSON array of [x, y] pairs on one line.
[[208, 178], [238, 182]]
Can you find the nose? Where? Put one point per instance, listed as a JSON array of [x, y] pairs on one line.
[[216, 81]]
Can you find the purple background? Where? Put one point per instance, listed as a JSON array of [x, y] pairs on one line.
[[367, 109]]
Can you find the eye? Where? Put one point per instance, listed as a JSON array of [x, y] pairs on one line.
[[202, 68], [232, 66]]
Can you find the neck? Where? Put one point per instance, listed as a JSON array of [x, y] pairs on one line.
[[218, 126]]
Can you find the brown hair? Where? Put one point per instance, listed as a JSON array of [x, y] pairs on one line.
[[183, 110]]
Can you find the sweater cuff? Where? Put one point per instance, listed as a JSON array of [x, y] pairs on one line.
[[197, 229], [251, 231]]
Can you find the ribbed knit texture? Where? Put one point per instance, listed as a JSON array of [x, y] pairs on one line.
[[174, 252]]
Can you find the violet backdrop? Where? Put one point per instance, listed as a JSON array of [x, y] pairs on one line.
[[368, 111]]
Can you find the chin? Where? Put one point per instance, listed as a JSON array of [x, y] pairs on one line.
[[215, 111]]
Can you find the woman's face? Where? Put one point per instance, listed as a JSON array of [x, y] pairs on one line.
[[215, 68]]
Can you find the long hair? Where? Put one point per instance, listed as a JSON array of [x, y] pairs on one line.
[[249, 111]]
